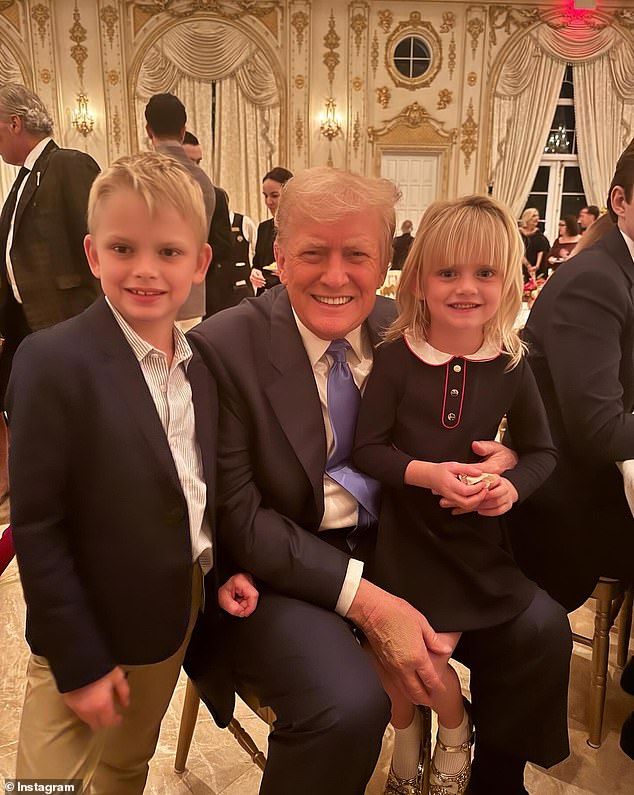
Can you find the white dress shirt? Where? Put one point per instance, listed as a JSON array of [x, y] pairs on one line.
[[340, 507], [172, 395]]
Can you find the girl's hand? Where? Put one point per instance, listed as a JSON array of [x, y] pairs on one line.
[[257, 279], [500, 498], [238, 596], [442, 479]]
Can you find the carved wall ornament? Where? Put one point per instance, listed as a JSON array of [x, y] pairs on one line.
[[78, 34], [475, 28], [113, 77], [385, 20], [383, 96], [116, 128], [567, 16], [469, 136], [40, 15], [448, 22], [332, 42], [299, 133], [414, 26], [300, 81], [624, 17], [299, 21], [451, 59], [265, 12], [356, 134], [503, 17], [374, 54], [109, 18], [10, 11], [46, 75], [472, 79], [445, 97], [358, 23], [357, 84]]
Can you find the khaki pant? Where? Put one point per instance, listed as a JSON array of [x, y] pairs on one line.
[[55, 743]]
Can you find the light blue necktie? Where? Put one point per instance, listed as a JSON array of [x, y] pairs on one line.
[[343, 400]]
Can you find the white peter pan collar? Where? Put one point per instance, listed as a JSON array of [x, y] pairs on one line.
[[430, 355]]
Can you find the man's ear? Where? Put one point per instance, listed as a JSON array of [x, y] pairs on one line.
[[280, 258], [91, 255], [618, 200]]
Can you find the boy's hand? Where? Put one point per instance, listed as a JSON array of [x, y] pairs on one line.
[[499, 499], [96, 704], [238, 596]]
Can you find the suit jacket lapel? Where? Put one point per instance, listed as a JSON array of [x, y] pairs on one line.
[[294, 397], [33, 181], [127, 381], [206, 414]]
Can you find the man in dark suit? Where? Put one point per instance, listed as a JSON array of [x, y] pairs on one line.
[[401, 245], [44, 276], [284, 518], [580, 333]]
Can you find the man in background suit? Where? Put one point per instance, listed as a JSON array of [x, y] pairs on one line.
[[300, 532], [44, 275], [401, 245], [166, 119]]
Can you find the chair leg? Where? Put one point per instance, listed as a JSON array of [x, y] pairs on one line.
[[600, 652], [625, 629], [246, 742], [426, 733], [188, 722]]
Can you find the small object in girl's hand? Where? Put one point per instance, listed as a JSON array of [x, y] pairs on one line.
[[471, 480]]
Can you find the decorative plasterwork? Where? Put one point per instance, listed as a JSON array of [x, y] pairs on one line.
[[414, 117], [448, 22], [472, 79], [383, 96], [374, 54], [358, 24], [331, 42], [265, 12], [445, 98], [41, 16], [475, 28], [469, 137], [451, 59], [505, 17], [78, 35], [116, 122], [414, 26], [10, 11], [299, 20], [356, 134], [109, 18], [625, 18], [385, 20], [358, 35], [357, 83], [299, 133]]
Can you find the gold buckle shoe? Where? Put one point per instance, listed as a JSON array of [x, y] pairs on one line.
[[454, 783], [403, 786]]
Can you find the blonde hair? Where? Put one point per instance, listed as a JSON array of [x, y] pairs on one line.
[[327, 194], [472, 229], [158, 181], [528, 213], [593, 234]]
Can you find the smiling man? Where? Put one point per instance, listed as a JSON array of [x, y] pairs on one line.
[[293, 510]]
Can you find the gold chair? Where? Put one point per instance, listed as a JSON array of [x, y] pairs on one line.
[[611, 597], [244, 739]]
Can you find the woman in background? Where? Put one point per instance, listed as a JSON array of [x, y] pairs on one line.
[[262, 278], [536, 246], [569, 236]]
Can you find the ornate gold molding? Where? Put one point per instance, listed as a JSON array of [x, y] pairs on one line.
[[383, 96], [331, 42], [472, 79], [266, 12], [625, 18], [10, 11], [300, 81], [505, 17], [41, 16], [109, 18], [299, 21], [299, 133], [358, 23], [448, 22], [445, 98], [78, 34], [475, 28], [46, 76], [116, 128], [451, 59], [414, 117], [356, 133], [113, 77], [385, 20], [469, 137], [357, 83], [414, 26], [374, 54]]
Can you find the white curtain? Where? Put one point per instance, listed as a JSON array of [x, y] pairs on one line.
[[185, 61], [246, 146], [523, 108], [9, 73]]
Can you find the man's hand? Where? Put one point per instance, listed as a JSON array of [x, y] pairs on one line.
[[402, 639], [238, 596], [97, 703]]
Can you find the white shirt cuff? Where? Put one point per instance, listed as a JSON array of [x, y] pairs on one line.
[[350, 586]]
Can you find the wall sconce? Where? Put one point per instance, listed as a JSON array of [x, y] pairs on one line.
[[83, 120], [330, 127]]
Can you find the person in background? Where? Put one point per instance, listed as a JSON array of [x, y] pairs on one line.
[[401, 245], [244, 233], [264, 271], [536, 246], [599, 228], [569, 236], [588, 216]]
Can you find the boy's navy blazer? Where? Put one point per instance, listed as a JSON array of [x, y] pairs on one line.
[[99, 517]]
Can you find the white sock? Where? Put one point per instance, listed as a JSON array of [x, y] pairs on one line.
[[406, 753], [444, 761]]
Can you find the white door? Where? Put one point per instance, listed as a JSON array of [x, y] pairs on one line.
[[417, 178]]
